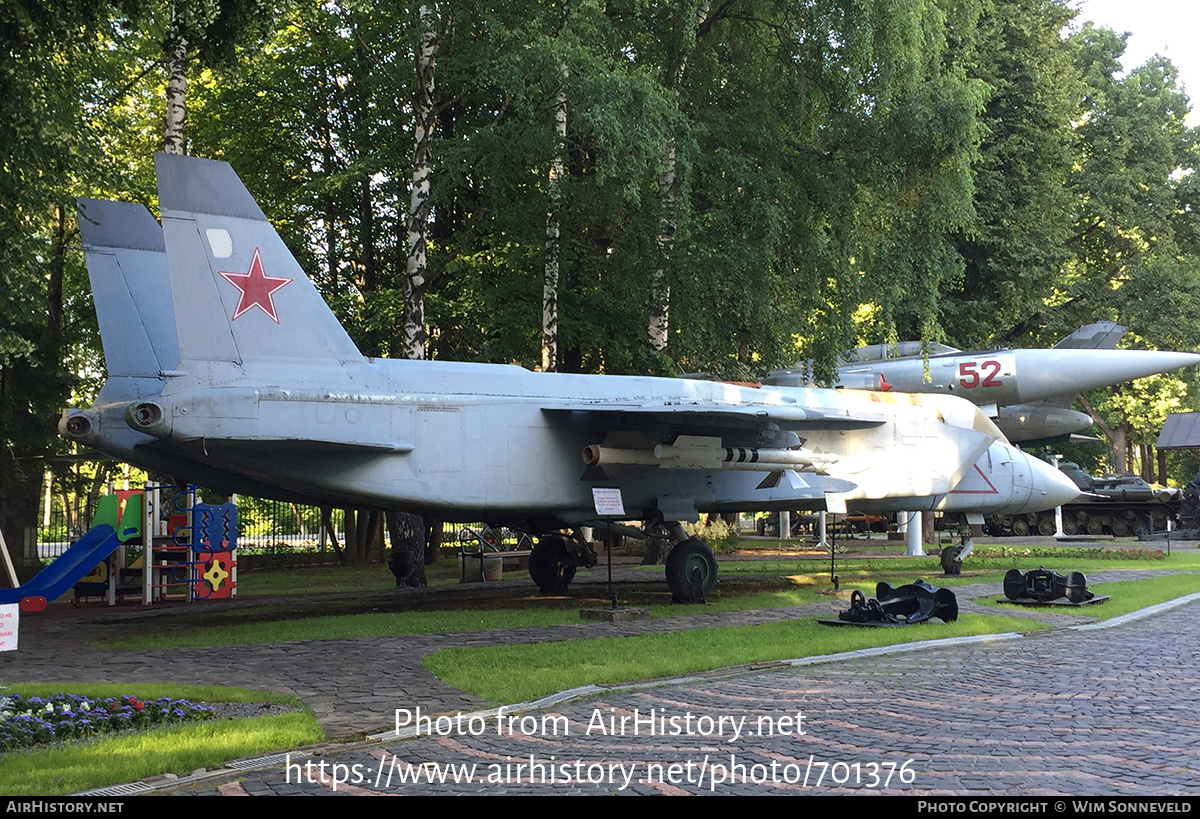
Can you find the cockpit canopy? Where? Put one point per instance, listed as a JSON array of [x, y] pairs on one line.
[[902, 349]]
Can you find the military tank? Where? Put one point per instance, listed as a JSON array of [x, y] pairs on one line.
[[1117, 505]]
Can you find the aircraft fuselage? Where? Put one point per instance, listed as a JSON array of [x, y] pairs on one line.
[[479, 441]]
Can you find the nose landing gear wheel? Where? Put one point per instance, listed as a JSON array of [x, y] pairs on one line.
[[688, 558], [550, 567]]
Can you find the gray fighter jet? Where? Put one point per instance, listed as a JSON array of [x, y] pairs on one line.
[[1028, 392], [246, 380]]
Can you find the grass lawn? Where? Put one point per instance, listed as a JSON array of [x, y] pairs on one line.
[[1066, 558], [746, 585], [528, 671], [523, 672], [529, 610], [180, 749], [1127, 596], [326, 579]]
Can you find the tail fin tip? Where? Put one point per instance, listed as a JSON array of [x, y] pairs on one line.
[[127, 225], [189, 184]]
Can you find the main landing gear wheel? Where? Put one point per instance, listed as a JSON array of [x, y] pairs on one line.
[[550, 566], [688, 558], [951, 562]]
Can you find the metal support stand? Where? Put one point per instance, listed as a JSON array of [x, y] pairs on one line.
[[914, 547], [833, 578], [612, 594], [1058, 520]]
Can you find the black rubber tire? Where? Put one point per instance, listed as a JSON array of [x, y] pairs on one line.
[[951, 565], [683, 559], [1014, 584], [550, 566], [1077, 590]]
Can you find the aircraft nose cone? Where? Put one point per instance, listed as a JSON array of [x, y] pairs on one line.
[[1045, 373], [1059, 488]]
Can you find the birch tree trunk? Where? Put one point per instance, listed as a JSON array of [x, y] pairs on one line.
[[176, 80], [407, 530], [550, 280], [425, 120], [660, 289], [668, 195]]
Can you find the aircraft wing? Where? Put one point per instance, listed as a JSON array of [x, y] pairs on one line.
[[311, 446], [781, 439], [708, 414]]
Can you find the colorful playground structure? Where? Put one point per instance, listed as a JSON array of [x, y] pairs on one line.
[[189, 553]]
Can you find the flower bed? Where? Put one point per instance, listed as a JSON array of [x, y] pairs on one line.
[[25, 722], [1074, 553]]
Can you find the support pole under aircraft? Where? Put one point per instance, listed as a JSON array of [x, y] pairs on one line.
[[913, 520]]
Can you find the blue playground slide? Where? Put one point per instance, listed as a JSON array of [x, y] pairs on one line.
[[83, 556]]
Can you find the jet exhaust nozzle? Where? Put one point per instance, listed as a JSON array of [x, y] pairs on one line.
[[77, 426], [144, 416]]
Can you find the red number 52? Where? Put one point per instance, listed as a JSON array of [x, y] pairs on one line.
[[973, 374]]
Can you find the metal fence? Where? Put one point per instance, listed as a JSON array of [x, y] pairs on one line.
[[263, 525]]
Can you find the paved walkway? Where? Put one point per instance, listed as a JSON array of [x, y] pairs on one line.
[[1101, 711]]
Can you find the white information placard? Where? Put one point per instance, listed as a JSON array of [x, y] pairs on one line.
[[10, 617], [608, 502]]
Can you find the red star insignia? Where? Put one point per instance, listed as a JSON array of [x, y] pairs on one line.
[[256, 287], [884, 386]]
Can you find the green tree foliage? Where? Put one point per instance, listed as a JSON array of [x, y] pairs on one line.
[[1018, 242], [1133, 252], [822, 154], [58, 87], [1135, 145]]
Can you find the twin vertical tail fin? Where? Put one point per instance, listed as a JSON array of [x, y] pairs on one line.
[[127, 265], [238, 292]]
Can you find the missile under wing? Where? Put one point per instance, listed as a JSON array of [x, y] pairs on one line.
[[269, 391]]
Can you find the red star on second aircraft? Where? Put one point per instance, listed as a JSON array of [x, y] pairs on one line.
[[256, 287]]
